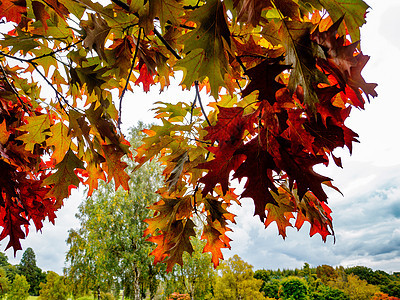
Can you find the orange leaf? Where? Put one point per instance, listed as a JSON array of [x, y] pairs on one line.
[[114, 167]]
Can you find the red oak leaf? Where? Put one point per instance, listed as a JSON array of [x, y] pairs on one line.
[[257, 168], [299, 168], [262, 78], [145, 77], [13, 10]]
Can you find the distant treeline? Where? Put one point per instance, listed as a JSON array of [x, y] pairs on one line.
[[196, 279], [328, 283]]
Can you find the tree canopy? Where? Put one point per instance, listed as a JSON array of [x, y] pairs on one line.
[[284, 75], [108, 251]]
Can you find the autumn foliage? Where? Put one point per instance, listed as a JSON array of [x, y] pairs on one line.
[[284, 74]]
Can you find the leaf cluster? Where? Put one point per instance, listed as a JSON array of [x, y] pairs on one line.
[[285, 75]]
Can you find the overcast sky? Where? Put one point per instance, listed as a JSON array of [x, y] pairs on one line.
[[366, 219]]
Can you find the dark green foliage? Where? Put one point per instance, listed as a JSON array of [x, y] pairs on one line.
[[263, 275], [3, 260], [388, 284], [271, 288], [328, 293], [362, 272], [11, 272], [372, 277], [33, 274], [392, 288], [294, 288], [9, 269]]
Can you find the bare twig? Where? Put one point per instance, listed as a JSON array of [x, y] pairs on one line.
[[196, 84], [192, 108], [54, 52], [58, 94]]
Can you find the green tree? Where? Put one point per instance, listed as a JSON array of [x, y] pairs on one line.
[[196, 275], [362, 272], [54, 288], [392, 288], [3, 260], [109, 251], [294, 288], [326, 273], [4, 283], [31, 271], [237, 281], [272, 288], [9, 272], [328, 293], [263, 275], [354, 287], [19, 288]]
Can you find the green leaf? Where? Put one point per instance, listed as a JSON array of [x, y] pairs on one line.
[[353, 12], [300, 53], [60, 140], [205, 47], [37, 131]]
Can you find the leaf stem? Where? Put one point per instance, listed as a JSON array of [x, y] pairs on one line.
[[128, 78]]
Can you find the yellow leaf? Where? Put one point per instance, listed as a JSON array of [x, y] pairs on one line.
[[37, 131]]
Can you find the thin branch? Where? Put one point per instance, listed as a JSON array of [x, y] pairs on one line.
[[252, 56], [58, 94], [158, 34], [13, 57], [194, 198], [125, 7], [13, 89], [121, 4], [35, 66], [54, 52], [240, 87], [196, 84], [192, 108], [128, 78], [241, 63]]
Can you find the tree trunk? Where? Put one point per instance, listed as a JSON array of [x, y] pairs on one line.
[[136, 284]]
